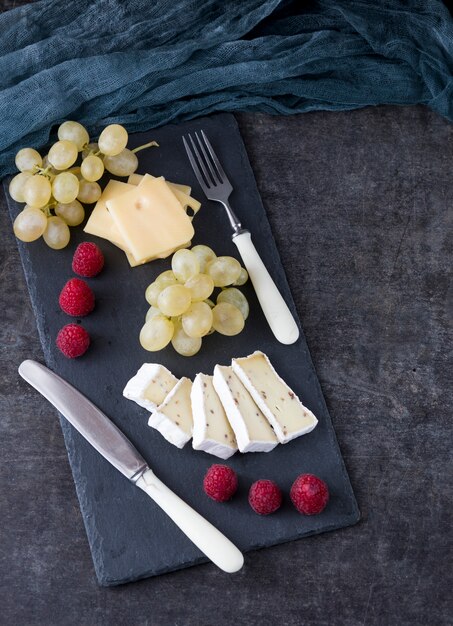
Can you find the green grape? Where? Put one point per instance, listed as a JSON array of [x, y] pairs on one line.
[[90, 149], [65, 187], [30, 224], [62, 154], [224, 270], [27, 159], [227, 319], [113, 140], [197, 320], [57, 233], [166, 279], [72, 213], [152, 293], [204, 255], [75, 132], [201, 286], [182, 343], [243, 278], [92, 168], [235, 297], [184, 265], [89, 192], [156, 333], [37, 191], [152, 312], [174, 300], [17, 184], [123, 164]]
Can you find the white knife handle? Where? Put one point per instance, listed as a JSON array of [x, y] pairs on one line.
[[275, 309], [201, 532]]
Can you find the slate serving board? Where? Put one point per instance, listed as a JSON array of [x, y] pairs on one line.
[[130, 537]]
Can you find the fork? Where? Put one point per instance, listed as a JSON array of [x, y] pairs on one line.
[[217, 187]]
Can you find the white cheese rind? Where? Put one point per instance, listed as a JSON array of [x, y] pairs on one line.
[[212, 432], [150, 385], [287, 415], [173, 418], [252, 430]]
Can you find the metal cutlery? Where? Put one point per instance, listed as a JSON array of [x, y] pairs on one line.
[[217, 187]]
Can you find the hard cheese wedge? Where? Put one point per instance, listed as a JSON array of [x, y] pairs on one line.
[[252, 430], [211, 430], [287, 415], [150, 385], [150, 219], [100, 222], [173, 418]]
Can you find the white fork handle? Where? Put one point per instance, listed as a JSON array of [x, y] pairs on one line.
[[201, 532], [275, 309]]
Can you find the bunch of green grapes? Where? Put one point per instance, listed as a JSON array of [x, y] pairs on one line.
[[182, 311], [53, 187]]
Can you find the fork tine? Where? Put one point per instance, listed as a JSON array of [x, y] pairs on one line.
[[215, 176], [223, 176], [194, 164], [200, 164]]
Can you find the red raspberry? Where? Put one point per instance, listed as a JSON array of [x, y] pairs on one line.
[[88, 260], [220, 482], [309, 494], [265, 497], [73, 340], [76, 298]]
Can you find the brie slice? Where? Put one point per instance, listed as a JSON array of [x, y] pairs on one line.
[[173, 418], [287, 415], [150, 385], [211, 430], [253, 431]]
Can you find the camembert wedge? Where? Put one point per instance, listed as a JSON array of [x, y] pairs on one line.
[[253, 431], [150, 385], [173, 418], [211, 429], [287, 415]]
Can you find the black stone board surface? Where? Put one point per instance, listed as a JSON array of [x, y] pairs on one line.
[[129, 536]]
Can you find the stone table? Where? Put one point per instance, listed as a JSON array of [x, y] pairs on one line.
[[361, 207]]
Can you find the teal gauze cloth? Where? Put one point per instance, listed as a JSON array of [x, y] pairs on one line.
[[144, 63]]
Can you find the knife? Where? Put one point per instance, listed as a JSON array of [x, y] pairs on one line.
[[114, 446]]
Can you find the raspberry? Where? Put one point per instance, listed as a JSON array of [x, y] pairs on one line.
[[220, 482], [88, 260], [73, 340], [309, 494], [76, 298], [265, 497]]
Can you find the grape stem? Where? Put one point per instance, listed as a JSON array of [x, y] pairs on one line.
[[146, 145]]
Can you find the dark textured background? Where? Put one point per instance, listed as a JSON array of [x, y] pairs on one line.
[[361, 208]]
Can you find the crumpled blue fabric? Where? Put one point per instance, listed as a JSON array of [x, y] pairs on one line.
[[145, 63]]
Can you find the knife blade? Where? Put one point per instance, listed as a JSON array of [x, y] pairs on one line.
[[116, 448]]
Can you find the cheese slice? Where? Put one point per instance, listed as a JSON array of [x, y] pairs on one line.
[[211, 430], [136, 179], [150, 385], [150, 219], [100, 222], [253, 431], [173, 418], [182, 193], [287, 415]]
